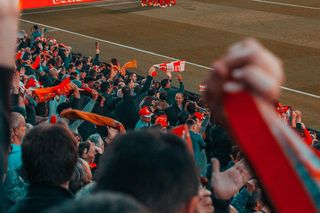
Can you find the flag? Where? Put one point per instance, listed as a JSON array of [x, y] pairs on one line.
[[133, 64], [202, 87], [175, 66]]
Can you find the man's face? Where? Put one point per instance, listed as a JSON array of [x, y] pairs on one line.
[[168, 84], [91, 84], [145, 119], [73, 69], [91, 153], [131, 85], [134, 78], [179, 99]]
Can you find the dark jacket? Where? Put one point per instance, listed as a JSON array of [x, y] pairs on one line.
[[174, 113], [172, 93], [128, 108], [41, 197]]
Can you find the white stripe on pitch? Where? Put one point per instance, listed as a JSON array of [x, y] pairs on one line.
[[151, 53]]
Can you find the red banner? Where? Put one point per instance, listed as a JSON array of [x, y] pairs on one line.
[[32, 4]]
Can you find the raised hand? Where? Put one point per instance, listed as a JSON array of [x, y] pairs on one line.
[[228, 183]]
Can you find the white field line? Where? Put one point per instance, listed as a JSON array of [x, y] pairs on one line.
[[53, 30], [287, 4], [151, 53], [79, 8]]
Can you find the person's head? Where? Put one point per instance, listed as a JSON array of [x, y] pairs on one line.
[[49, 154], [133, 77], [87, 151], [199, 118], [90, 81], [53, 73], [255, 201], [192, 125], [97, 140], [81, 176], [179, 98], [71, 68], [35, 27], [130, 83], [110, 202], [145, 114], [115, 62], [155, 168], [79, 65], [106, 87], [191, 107], [126, 91], [18, 127], [165, 83], [163, 95]]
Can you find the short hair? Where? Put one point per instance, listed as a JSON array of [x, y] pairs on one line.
[[84, 148], [110, 202], [128, 81], [164, 82], [16, 119], [81, 176], [104, 86], [114, 61], [190, 123], [126, 91], [96, 139], [191, 107], [49, 154], [162, 172], [163, 95], [71, 66], [77, 63]]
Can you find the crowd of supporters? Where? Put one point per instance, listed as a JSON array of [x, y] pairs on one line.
[[90, 136]]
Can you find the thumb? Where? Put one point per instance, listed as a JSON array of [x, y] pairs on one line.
[[215, 165]]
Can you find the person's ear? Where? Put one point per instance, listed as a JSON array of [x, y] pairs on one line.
[[16, 132], [191, 205]]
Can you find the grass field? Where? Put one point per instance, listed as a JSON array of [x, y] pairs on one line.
[[197, 31]]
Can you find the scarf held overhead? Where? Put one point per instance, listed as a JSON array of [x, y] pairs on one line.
[[48, 93], [93, 118], [175, 66]]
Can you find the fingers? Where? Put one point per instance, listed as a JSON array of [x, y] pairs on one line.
[[263, 83], [215, 165]]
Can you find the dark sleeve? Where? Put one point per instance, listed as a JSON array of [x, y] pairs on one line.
[[76, 103], [96, 59], [240, 200], [14, 99], [181, 87], [46, 81], [147, 84], [31, 114]]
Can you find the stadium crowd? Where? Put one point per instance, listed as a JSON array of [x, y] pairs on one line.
[[92, 136]]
